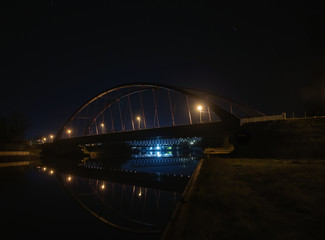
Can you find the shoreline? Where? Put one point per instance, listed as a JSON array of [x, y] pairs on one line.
[[237, 198]]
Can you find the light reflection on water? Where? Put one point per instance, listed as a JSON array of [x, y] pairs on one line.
[[124, 206], [137, 194]]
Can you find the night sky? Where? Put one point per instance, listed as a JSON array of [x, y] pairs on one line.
[[269, 55]]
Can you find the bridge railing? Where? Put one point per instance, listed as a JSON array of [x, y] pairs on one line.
[[282, 116]]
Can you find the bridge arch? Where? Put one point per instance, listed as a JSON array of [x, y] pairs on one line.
[[137, 106]]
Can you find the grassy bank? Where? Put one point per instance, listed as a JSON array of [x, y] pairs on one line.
[[298, 138], [253, 199]]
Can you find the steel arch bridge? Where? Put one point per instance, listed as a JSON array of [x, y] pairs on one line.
[[145, 107]]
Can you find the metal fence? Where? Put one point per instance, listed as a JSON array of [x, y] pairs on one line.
[[282, 116]]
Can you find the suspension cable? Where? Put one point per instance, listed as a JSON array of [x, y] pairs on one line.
[[131, 115], [144, 119], [126, 113], [112, 119], [170, 106], [206, 97], [189, 110], [95, 122], [156, 109], [119, 107]]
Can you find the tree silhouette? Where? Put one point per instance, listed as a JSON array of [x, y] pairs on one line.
[[12, 128]]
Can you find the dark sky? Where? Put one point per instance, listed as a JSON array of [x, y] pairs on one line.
[[269, 55]]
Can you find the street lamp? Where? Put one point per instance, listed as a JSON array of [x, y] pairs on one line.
[[51, 137], [139, 120], [103, 127], [69, 132], [199, 107], [69, 178]]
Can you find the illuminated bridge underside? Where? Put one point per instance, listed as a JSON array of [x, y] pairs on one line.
[[147, 162]]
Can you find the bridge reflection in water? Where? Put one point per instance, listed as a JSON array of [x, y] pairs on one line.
[[125, 206], [136, 194]]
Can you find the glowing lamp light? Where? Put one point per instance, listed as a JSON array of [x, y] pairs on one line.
[[139, 120], [199, 107], [69, 132], [102, 186]]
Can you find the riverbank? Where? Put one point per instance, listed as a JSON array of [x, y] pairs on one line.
[[284, 139], [252, 199], [19, 158]]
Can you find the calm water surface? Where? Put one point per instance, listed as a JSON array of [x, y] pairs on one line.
[[105, 197]]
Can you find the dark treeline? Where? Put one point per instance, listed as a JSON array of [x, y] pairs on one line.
[[12, 131]]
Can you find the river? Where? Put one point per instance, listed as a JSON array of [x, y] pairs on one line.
[[106, 196]]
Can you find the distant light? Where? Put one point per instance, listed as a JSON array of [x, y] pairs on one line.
[[199, 107], [158, 154], [102, 125], [138, 118], [51, 172], [69, 179], [44, 168], [51, 136], [44, 139], [102, 186], [140, 194]]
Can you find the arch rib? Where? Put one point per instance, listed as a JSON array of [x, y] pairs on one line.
[[195, 94]]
